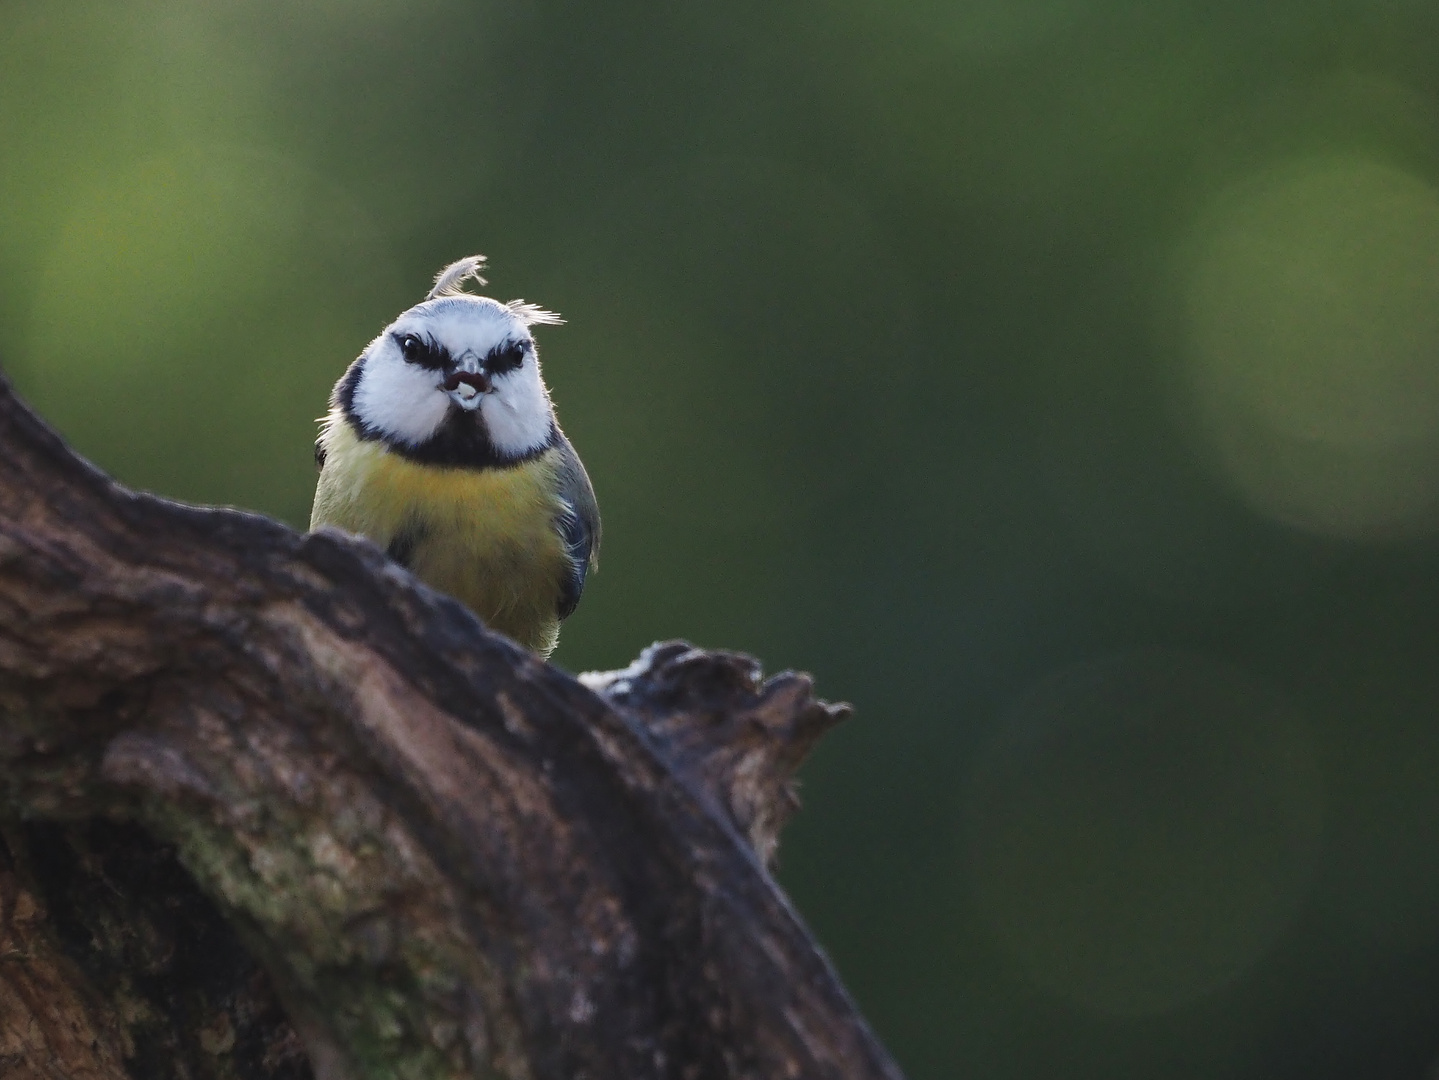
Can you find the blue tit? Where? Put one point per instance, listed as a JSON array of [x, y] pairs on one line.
[[441, 445]]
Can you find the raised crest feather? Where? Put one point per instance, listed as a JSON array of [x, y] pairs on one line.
[[451, 280], [533, 314]]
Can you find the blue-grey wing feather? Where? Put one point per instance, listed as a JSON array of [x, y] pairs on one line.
[[578, 525]]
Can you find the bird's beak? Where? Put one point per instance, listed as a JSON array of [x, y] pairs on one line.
[[467, 383]]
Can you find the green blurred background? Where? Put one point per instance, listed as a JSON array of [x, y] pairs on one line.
[[1057, 381]]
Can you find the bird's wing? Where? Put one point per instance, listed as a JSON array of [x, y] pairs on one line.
[[578, 524]]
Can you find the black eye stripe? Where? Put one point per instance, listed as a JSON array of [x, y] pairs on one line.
[[422, 351], [506, 357], [428, 353]]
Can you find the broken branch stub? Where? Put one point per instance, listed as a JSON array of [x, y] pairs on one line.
[[451, 859], [737, 737]]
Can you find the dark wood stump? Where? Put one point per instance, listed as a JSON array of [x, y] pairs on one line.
[[276, 809]]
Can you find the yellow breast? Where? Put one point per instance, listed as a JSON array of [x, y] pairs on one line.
[[485, 536]]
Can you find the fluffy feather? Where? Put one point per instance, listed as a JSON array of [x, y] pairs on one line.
[[451, 280], [486, 536], [533, 314]]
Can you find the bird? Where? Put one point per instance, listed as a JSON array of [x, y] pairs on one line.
[[441, 445]]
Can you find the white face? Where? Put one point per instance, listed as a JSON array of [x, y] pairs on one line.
[[466, 352]]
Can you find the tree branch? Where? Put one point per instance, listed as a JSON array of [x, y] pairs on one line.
[[451, 859]]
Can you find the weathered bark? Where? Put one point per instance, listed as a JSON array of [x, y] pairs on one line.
[[114, 965], [448, 858]]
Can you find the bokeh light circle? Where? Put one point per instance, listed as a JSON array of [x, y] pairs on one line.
[[1142, 829], [1312, 315]]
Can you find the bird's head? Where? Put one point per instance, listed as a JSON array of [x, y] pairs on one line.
[[455, 376]]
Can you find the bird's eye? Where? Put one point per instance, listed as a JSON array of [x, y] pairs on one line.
[[507, 358], [411, 348]]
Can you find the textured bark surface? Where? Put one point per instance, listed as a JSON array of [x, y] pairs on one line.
[[445, 858], [52, 1026], [157, 984]]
